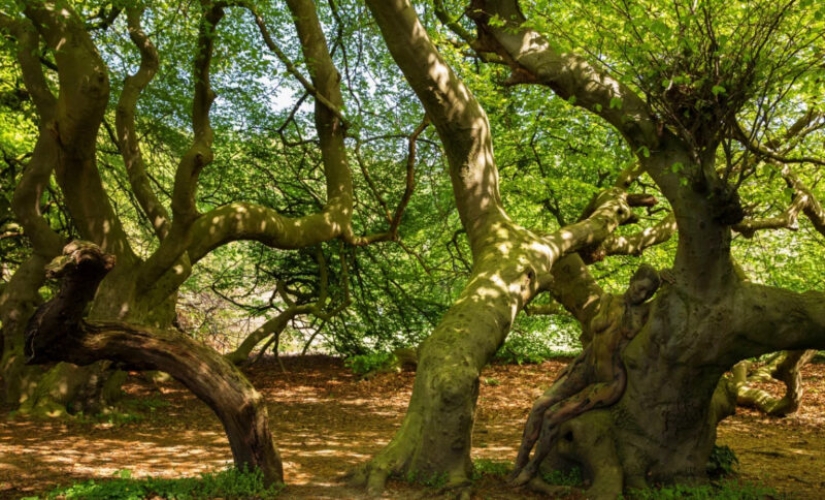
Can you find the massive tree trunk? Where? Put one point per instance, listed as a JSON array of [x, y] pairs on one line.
[[663, 428], [510, 266], [66, 139], [58, 332]]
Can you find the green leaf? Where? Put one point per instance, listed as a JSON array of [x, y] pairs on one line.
[[718, 89], [496, 21], [615, 103]]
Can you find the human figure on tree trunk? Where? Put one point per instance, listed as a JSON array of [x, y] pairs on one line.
[[595, 379]]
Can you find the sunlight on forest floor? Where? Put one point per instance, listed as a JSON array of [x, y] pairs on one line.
[[326, 422]]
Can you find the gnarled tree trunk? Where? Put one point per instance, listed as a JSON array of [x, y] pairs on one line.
[[510, 266], [58, 332]]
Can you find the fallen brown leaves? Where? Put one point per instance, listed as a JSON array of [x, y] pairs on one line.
[[327, 422]]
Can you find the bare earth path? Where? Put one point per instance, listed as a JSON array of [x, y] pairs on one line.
[[326, 422]]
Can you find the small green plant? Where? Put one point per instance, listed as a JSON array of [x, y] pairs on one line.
[[436, 481], [726, 490], [722, 462], [571, 477], [493, 382], [487, 467], [363, 364], [151, 403], [229, 484]]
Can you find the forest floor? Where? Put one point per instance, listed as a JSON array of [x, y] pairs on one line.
[[326, 421]]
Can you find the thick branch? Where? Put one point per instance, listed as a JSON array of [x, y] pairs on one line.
[[612, 210], [763, 152], [273, 326], [452, 22], [82, 99], [245, 221], [459, 119], [803, 201], [767, 319], [27, 55], [333, 107], [125, 124], [328, 123], [184, 208], [635, 244], [533, 60], [785, 366]]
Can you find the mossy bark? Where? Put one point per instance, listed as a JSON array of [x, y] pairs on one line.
[[783, 366], [58, 332], [510, 266]]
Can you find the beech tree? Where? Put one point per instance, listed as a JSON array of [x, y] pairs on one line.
[[133, 293], [695, 94], [709, 104]]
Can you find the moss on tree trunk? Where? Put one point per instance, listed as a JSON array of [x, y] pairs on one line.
[[58, 332]]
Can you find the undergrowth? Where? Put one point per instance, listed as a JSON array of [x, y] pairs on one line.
[[495, 468], [521, 349], [572, 477], [229, 484], [725, 490], [366, 363]]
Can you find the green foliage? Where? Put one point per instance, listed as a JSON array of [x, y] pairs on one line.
[[722, 462], [728, 490], [572, 477], [228, 484], [367, 363], [531, 347], [494, 468]]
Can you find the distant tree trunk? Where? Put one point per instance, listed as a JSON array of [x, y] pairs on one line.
[[272, 327], [57, 332]]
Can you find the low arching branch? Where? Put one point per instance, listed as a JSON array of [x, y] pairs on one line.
[[58, 332]]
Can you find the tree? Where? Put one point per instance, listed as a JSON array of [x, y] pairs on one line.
[[511, 265], [131, 308], [681, 95], [702, 105]]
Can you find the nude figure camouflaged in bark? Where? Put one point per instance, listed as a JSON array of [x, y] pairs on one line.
[[595, 379]]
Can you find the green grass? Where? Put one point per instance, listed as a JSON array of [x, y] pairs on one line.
[[725, 490], [228, 484], [495, 468], [573, 477]]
